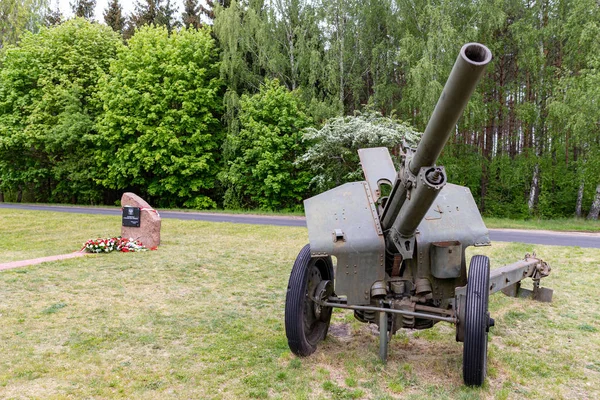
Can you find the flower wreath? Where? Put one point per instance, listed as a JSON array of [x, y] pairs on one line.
[[111, 244]]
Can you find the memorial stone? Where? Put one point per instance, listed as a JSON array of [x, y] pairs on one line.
[[140, 221]]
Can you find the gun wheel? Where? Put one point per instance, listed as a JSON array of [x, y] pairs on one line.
[[477, 322], [306, 323]]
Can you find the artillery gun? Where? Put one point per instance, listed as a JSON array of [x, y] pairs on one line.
[[401, 258]]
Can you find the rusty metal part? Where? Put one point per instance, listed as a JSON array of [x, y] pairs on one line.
[[508, 280], [538, 293], [398, 287], [542, 294], [397, 264], [423, 287], [433, 310], [404, 320], [322, 292]]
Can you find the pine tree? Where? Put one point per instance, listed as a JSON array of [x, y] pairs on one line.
[[146, 12], [53, 16], [190, 16], [84, 8], [113, 16], [154, 12], [210, 11], [166, 16], [129, 27]]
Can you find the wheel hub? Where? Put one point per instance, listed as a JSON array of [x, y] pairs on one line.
[[322, 293]]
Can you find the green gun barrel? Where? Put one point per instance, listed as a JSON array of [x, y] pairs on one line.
[[403, 212], [465, 75]]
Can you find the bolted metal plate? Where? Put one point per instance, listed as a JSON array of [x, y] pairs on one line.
[[349, 210], [454, 216]]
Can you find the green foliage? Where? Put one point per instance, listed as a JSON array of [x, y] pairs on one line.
[[332, 153], [53, 16], [463, 165], [281, 42], [237, 29], [559, 185], [535, 112], [509, 187], [261, 172], [47, 110], [19, 16], [160, 130], [395, 57]]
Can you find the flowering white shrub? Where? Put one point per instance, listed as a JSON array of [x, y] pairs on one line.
[[332, 155]]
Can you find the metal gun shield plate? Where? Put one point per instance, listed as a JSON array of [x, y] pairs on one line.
[[343, 222], [454, 216], [377, 165]]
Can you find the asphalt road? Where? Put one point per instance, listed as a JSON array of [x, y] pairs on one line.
[[580, 239]]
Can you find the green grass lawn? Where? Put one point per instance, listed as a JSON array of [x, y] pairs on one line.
[[202, 317]]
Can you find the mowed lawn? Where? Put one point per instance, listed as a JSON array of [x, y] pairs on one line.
[[202, 317]]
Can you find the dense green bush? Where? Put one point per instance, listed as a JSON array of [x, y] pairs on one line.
[[463, 165], [508, 190], [261, 172], [48, 107], [160, 130]]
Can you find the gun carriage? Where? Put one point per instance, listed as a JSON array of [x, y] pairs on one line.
[[401, 258]]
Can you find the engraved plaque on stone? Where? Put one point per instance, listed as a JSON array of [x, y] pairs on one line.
[[131, 216]]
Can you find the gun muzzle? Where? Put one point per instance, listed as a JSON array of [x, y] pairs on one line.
[[465, 75]]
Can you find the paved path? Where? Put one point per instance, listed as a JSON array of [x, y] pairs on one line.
[[581, 239], [24, 263]]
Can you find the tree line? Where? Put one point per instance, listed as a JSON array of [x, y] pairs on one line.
[[215, 107]]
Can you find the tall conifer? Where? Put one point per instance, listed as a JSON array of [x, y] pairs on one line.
[[210, 10], [53, 16], [190, 15], [146, 12], [166, 16], [113, 16], [84, 8], [154, 12]]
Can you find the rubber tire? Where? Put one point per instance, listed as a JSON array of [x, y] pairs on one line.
[[303, 339], [476, 322]]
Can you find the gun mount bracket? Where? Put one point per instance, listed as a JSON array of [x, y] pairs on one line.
[[404, 245], [338, 235]]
